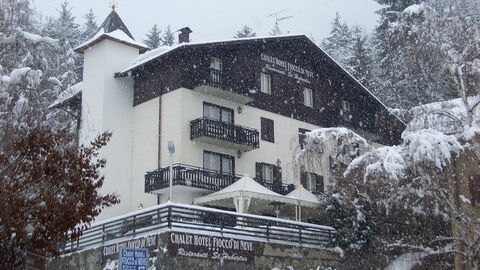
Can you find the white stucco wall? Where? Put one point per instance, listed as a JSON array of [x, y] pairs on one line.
[[145, 150], [183, 105], [107, 106]]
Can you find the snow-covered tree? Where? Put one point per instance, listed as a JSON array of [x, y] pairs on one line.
[[168, 38], [153, 39], [48, 184], [338, 43], [67, 63], [90, 28], [245, 32], [360, 62]]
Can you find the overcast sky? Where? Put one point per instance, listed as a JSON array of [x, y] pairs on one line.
[[220, 19]]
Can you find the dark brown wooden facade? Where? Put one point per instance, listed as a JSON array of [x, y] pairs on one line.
[[242, 63]]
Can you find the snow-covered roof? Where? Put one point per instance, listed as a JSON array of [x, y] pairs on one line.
[[153, 54], [114, 22], [446, 116], [117, 35], [245, 186], [71, 92], [112, 28], [304, 196]]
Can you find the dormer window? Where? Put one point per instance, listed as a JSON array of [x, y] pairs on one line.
[[215, 70], [265, 83], [307, 97]]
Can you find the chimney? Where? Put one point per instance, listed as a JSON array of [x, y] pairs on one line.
[[184, 35]]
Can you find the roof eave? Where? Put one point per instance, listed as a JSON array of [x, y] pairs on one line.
[[83, 48]]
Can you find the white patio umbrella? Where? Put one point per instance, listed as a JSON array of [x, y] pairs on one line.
[[302, 197], [242, 194]]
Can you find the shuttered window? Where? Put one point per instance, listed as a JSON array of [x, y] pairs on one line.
[[269, 175], [267, 130], [312, 182]]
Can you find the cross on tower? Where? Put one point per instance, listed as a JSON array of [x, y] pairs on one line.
[[112, 4]]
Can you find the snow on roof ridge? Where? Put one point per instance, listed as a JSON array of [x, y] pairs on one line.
[[117, 34], [142, 60]]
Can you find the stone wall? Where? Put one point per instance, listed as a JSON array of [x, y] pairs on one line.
[[265, 256]]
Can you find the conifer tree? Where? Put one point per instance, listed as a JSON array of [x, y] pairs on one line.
[[48, 184], [337, 44], [245, 32], [360, 63], [90, 28], [168, 39], [153, 39], [68, 64]]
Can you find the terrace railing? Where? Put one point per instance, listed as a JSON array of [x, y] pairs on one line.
[[191, 176], [187, 175], [232, 133], [178, 217]]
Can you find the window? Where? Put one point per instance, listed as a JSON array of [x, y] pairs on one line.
[[266, 130], [345, 106], [218, 162], [345, 112], [265, 83], [307, 97], [301, 137], [215, 70], [267, 173], [312, 182], [218, 113]]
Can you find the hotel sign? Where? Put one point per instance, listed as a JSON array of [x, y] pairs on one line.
[[286, 68], [210, 247], [112, 251]]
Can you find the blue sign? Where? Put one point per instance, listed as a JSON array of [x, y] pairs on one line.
[[133, 259]]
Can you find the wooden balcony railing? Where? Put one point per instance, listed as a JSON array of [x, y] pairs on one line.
[[235, 134], [191, 176]]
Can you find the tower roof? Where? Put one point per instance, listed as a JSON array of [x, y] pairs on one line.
[[114, 22], [114, 29]]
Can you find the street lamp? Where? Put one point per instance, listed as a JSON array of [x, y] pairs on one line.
[[171, 149]]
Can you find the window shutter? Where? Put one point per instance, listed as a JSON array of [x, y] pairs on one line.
[[319, 183], [263, 128], [277, 179], [266, 129], [258, 171], [271, 129], [303, 179]]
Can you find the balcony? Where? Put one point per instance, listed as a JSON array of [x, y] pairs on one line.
[[225, 134], [215, 83], [196, 177]]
